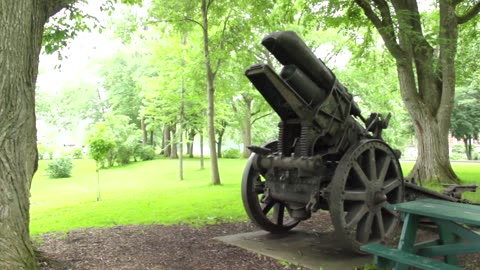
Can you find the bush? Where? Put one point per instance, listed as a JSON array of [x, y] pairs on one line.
[[60, 168], [457, 156], [231, 153], [124, 153], [100, 150], [42, 150], [77, 153], [458, 149], [146, 153]]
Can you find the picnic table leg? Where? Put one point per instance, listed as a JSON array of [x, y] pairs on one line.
[[407, 238], [447, 237]]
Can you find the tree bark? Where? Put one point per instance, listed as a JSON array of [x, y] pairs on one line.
[[191, 139], [467, 142], [202, 157], [167, 142], [174, 143], [21, 31], [428, 94], [247, 125], [221, 132], [144, 131], [210, 95], [151, 138]]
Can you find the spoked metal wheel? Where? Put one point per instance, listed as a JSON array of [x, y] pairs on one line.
[[367, 178], [270, 215]]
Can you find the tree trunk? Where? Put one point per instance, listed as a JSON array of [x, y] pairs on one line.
[[433, 158], [173, 143], [144, 130], [20, 42], [191, 139], [167, 143], [427, 79], [221, 132], [202, 158], [151, 138], [210, 95], [467, 142], [247, 126]]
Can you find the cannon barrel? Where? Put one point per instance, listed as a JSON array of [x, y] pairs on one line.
[[291, 51], [303, 85]]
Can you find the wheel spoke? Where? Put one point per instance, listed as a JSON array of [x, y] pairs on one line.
[[391, 212], [391, 185], [357, 215], [384, 170], [366, 229], [267, 207], [361, 174], [381, 226], [372, 164], [354, 195], [278, 212]]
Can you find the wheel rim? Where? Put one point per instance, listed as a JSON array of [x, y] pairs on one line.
[[367, 178], [272, 216]]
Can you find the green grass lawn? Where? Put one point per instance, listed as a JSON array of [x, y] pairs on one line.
[[149, 192], [140, 193]]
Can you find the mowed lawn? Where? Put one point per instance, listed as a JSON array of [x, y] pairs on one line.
[[150, 192], [139, 193]]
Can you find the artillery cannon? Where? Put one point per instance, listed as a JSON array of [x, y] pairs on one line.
[[327, 155]]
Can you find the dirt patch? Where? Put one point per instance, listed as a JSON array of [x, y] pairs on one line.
[[167, 247]]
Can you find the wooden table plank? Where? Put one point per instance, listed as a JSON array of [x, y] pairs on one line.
[[457, 212]]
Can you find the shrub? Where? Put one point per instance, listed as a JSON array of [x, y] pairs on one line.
[[146, 153], [457, 156], [231, 153], [77, 153], [124, 153], [100, 150], [60, 168], [459, 149], [42, 150]]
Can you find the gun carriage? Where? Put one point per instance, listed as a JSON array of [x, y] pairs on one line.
[[327, 155]]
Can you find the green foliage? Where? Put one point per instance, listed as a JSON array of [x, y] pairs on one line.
[[231, 153], [100, 149], [59, 168], [127, 150], [146, 152], [72, 20], [466, 113], [458, 149], [42, 150], [116, 139], [65, 26], [77, 153]]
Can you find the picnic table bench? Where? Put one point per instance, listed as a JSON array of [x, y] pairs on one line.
[[455, 237]]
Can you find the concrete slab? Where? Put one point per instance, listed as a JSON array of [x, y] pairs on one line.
[[312, 250]]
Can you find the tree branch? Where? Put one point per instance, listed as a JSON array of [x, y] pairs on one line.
[[54, 6], [469, 14], [222, 41], [384, 26], [260, 117]]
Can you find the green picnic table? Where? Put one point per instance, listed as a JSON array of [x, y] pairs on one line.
[[454, 237]]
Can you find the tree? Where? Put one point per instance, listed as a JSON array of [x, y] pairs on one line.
[[23, 24], [425, 60], [20, 43], [466, 118]]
